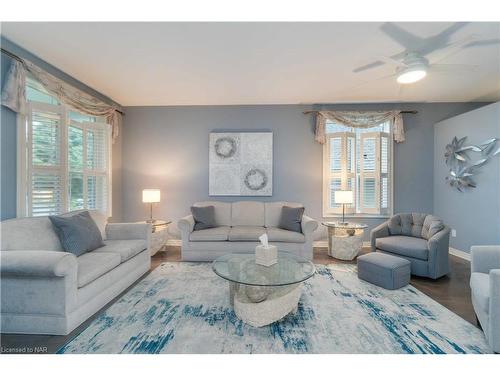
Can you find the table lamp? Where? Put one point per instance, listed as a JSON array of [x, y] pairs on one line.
[[151, 196], [344, 197]]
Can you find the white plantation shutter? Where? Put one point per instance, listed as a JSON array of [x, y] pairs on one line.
[[46, 179], [88, 149], [340, 171], [66, 165], [385, 173], [374, 173], [97, 150], [359, 160]]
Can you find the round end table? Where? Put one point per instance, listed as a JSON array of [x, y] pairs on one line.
[[345, 240]]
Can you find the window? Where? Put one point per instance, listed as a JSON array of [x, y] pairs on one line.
[[359, 160], [64, 158]]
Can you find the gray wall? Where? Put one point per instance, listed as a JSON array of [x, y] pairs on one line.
[[474, 214], [167, 148], [8, 135], [8, 152]]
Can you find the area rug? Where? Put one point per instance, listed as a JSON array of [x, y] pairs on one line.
[[184, 308]]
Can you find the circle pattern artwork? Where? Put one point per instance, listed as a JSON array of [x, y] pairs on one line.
[[255, 179], [225, 147]]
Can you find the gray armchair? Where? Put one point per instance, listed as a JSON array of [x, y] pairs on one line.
[[422, 239], [485, 291]]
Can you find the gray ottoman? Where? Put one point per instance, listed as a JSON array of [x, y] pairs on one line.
[[384, 270]]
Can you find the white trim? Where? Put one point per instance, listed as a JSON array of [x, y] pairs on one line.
[[460, 254]]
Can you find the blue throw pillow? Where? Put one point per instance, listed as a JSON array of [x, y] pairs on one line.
[[291, 218], [78, 233], [204, 217]]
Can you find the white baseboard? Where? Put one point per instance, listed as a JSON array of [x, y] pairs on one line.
[[460, 254]]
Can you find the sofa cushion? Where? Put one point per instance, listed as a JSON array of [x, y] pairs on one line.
[[95, 264], [247, 213], [211, 234], [407, 224], [282, 235], [246, 233], [272, 212], [78, 233], [404, 245], [432, 225], [480, 287], [291, 218], [125, 248], [222, 211], [204, 217], [29, 233]]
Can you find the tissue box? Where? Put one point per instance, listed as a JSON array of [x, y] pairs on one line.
[[266, 256]]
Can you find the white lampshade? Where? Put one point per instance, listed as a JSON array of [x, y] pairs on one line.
[[344, 196], [151, 195]]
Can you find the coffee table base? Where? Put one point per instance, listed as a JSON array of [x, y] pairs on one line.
[[261, 306]]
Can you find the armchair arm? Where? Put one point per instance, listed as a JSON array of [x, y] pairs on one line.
[[308, 225], [494, 311], [186, 225], [128, 231], [439, 247], [484, 258], [37, 263], [378, 232]]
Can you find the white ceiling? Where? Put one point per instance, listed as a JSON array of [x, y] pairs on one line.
[[253, 63]]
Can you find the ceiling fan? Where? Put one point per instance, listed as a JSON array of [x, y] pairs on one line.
[[423, 55]]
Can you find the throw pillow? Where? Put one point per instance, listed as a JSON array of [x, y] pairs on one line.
[[291, 218], [436, 226], [78, 233], [204, 217]]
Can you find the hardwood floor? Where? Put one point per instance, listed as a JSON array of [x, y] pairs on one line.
[[452, 291]]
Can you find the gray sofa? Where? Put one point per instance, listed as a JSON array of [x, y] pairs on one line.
[[239, 226], [45, 290], [421, 238], [485, 290]]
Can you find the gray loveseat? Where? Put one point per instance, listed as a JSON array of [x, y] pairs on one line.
[[45, 290], [239, 226], [485, 291], [421, 238]]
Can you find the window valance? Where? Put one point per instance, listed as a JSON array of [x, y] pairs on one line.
[[360, 119], [14, 94]]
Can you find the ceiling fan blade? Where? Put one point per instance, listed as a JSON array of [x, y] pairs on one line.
[[400, 35], [484, 42], [452, 68], [451, 49], [372, 65], [391, 60], [382, 60]]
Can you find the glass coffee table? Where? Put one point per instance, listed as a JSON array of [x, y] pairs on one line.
[[262, 295]]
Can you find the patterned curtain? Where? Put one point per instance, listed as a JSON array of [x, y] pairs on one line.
[[358, 119], [14, 94]]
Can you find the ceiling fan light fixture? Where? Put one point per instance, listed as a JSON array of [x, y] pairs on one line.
[[412, 75]]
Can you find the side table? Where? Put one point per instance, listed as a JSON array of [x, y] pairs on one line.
[[345, 240], [159, 235]]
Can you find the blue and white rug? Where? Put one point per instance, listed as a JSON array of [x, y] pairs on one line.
[[184, 308]]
